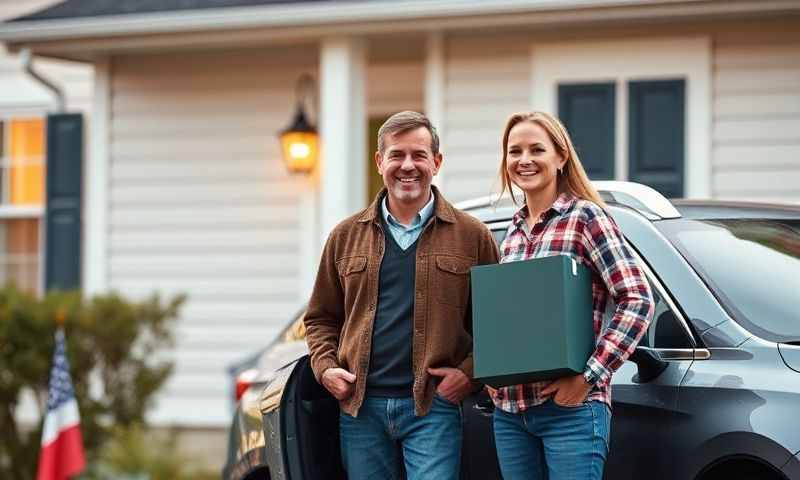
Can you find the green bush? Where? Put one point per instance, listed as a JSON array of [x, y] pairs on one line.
[[135, 453], [113, 344]]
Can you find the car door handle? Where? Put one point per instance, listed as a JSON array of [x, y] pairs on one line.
[[484, 406]]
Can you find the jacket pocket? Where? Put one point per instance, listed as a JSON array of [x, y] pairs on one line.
[[349, 265], [451, 280], [353, 280]]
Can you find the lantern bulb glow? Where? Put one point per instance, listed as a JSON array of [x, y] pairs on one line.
[[299, 150]]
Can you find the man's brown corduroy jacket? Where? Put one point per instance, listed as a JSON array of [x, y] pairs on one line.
[[341, 312]]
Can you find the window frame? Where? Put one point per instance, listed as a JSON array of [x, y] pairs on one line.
[[624, 60], [33, 212], [655, 284]]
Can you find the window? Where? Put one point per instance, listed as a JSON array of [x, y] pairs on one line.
[[751, 265], [655, 134], [499, 234], [665, 331], [660, 119], [22, 162], [588, 112]]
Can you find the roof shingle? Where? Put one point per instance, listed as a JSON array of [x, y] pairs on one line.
[[97, 8]]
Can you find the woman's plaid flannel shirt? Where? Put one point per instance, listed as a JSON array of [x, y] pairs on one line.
[[582, 230]]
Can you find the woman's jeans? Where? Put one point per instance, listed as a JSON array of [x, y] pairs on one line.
[[387, 432], [552, 442]]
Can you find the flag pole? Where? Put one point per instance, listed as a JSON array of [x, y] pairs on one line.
[[61, 455], [60, 318]]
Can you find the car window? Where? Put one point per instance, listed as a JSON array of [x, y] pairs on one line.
[[499, 235], [751, 265], [665, 330]]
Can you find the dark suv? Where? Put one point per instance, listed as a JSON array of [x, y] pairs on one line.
[[712, 391]]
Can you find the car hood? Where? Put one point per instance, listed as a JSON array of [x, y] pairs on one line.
[[790, 355]]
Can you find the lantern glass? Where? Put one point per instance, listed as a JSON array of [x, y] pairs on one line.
[[300, 150]]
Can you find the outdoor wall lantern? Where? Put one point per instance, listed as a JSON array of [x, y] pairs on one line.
[[300, 141]]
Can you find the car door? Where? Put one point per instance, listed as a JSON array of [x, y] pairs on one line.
[[478, 454], [645, 394]]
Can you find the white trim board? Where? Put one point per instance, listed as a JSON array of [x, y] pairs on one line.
[[636, 59], [96, 185]]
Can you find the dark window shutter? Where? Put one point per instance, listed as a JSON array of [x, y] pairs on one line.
[[588, 112], [63, 209], [657, 135]]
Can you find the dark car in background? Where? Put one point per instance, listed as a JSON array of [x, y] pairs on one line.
[[712, 391]]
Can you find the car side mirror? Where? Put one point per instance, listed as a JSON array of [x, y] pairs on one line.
[[649, 363]]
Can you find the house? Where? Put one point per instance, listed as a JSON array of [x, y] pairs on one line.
[[186, 191]]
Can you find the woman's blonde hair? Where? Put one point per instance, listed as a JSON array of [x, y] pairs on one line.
[[573, 178]]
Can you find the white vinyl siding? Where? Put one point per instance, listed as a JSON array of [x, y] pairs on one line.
[[201, 203], [756, 153], [755, 106], [394, 86], [486, 80]]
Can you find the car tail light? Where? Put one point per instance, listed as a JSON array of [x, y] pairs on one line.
[[244, 380]]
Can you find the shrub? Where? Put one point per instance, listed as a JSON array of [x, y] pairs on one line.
[[116, 349]]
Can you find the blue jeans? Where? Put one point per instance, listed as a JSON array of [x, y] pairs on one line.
[[387, 432], [552, 442]]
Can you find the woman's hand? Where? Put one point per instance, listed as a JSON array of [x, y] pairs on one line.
[[568, 391]]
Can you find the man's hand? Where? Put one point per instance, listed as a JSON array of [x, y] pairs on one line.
[[454, 386], [568, 391], [339, 382]]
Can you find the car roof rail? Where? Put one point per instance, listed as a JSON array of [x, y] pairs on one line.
[[640, 197], [475, 203], [637, 196]]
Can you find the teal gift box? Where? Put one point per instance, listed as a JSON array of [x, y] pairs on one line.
[[531, 320]]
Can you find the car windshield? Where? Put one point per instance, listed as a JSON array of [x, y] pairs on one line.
[[751, 265]]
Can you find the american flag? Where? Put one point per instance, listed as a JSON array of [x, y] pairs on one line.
[[62, 445]]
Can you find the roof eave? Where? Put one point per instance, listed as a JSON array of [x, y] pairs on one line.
[[293, 15], [405, 15]]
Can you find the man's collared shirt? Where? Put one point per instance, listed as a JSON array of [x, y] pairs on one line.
[[582, 230], [406, 235]]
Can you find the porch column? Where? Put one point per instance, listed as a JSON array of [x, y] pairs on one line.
[[96, 185], [343, 127], [435, 91]]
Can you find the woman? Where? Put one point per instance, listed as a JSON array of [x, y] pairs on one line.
[[560, 429]]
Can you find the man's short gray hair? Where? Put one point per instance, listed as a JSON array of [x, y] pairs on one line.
[[406, 121]]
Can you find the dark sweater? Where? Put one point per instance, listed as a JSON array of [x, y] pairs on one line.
[[390, 364]]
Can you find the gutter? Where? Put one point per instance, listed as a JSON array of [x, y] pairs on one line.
[[343, 12], [27, 65]]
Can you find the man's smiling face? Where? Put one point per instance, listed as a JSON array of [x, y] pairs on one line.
[[408, 165]]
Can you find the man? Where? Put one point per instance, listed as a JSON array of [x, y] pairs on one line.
[[389, 324]]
